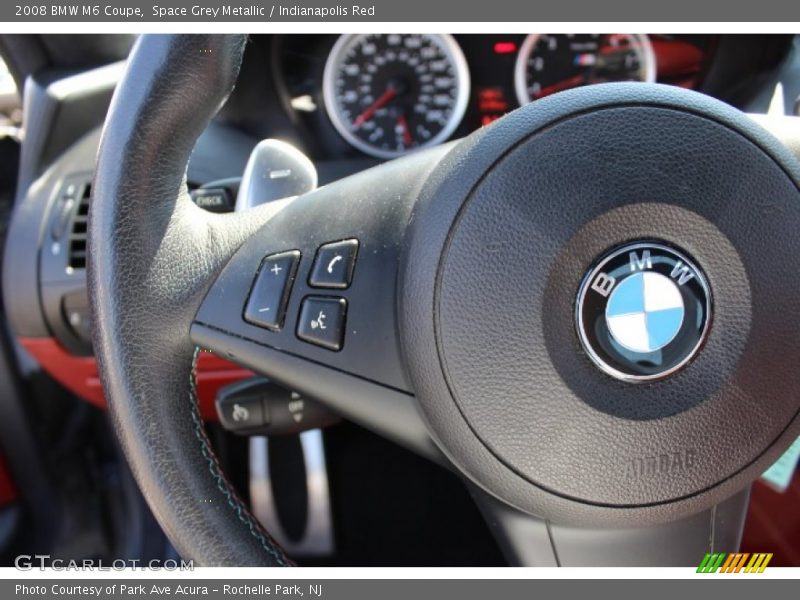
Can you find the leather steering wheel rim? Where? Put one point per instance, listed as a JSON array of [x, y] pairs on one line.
[[153, 254]]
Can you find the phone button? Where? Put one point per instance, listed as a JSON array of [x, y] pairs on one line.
[[334, 264], [321, 321]]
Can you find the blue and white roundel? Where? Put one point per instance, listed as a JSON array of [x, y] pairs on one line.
[[645, 312]]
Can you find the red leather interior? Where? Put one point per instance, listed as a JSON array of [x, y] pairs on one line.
[[773, 523], [677, 61], [8, 491], [79, 373]]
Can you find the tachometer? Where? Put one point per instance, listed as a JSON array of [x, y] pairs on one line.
[[388, 94], [547, 64]]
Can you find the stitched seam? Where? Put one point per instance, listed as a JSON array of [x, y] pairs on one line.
[[214, 468]]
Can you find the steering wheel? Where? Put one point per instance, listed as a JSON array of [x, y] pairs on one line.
[[588, 309]]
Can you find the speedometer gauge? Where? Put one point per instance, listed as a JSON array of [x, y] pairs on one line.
[[547, 64], [388, 94]]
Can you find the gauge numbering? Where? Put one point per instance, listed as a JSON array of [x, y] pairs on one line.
[[387, 94], [550, 63]]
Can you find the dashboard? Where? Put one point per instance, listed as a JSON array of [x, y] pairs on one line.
[[347, 102], [382, 95]]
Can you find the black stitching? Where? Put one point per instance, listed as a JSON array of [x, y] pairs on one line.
[[269, 545]]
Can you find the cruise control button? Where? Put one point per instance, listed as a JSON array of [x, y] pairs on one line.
[[321, 321], [242, 412], [266, 305], [333, 266]]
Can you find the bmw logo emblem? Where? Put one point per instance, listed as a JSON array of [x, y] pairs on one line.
[[643, 311]]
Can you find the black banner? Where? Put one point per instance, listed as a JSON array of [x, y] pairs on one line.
[[216, 11]]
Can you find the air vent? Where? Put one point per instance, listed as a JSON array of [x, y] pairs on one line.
[[77, 229]]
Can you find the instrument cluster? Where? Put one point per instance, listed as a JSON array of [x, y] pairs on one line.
[[388, 94]]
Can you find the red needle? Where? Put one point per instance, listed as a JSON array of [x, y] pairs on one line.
[[561, 85], [370, 111], [403, 123]]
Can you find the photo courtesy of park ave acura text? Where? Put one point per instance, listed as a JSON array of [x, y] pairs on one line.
[[381, 295]]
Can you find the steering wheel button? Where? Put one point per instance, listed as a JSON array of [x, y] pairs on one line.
[[238, 413], [266, 305], [322, 321], [334, 264]]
